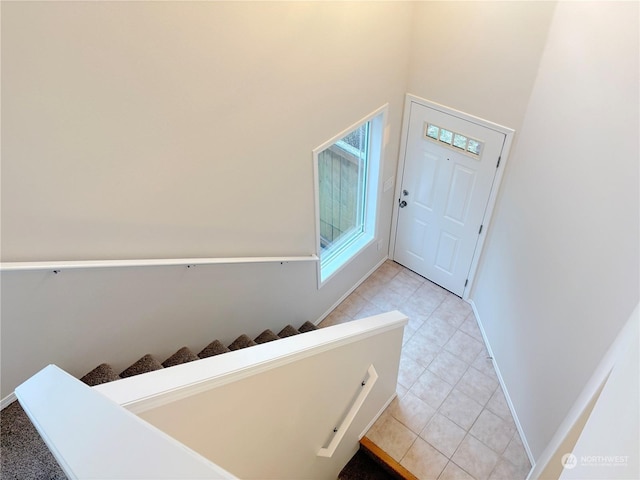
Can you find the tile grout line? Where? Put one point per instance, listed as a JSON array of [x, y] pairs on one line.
[[373, 297]]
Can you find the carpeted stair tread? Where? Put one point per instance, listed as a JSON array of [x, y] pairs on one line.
[[103, 373], [288, 331], [144, 365], [184, 355], [266, 336], [214, 348], [242, 341], [307, 327], [363, 467], [24, 453]]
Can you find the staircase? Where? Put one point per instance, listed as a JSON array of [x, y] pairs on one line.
[[25, 455], [371, 463], [104, 373]]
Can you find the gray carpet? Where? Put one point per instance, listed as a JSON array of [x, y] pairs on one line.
[[23, 452], [214, 348], [363, 467], [183, 355]]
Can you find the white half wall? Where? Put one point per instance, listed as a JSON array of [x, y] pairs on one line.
[[266, 412], [93, 437], [559, 276]]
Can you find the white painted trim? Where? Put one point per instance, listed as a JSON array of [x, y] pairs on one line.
[[378, 415], [374, 183], [372, 376], [188, 262], [491, 203], [493, 195], [504, 386], [404, 136], [8, 400], [350, 291], [458, 113], [160, 387]]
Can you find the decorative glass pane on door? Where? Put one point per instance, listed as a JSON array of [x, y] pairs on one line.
[[474, 147], [460, 141], [453, 139], [446, 136], [432, 131]]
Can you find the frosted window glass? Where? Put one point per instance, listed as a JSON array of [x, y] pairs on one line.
[[474, 147], [460, 141], [446, 136], [432, 131]]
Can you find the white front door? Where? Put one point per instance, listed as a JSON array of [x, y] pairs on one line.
[[449, 168]]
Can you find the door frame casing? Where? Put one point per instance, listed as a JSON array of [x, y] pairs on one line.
[[493, 195]]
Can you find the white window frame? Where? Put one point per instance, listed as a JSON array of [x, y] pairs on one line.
[[328, 269]]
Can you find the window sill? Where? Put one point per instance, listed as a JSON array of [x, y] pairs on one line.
[[329, 269]]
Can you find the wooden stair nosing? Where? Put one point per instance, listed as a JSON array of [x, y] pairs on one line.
[[386, 460]]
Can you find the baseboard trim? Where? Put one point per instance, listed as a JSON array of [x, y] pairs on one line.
[[377, 415], [8, 400], [503, 385], [351, 290], [386, 459]]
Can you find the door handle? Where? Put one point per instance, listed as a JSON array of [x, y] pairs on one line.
[[403, 204]]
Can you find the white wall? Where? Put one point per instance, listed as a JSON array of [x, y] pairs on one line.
[[78, 319], [609, 444], [170, 130], [162, 130], [184, 129], [559, 276], [478, 57]]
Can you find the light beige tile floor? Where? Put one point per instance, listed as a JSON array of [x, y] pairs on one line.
[[450, 419]]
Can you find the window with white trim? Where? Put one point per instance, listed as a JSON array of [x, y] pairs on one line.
[[347, 177]]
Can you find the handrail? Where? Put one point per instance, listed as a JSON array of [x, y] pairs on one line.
[[57, 266], [367, 385]]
